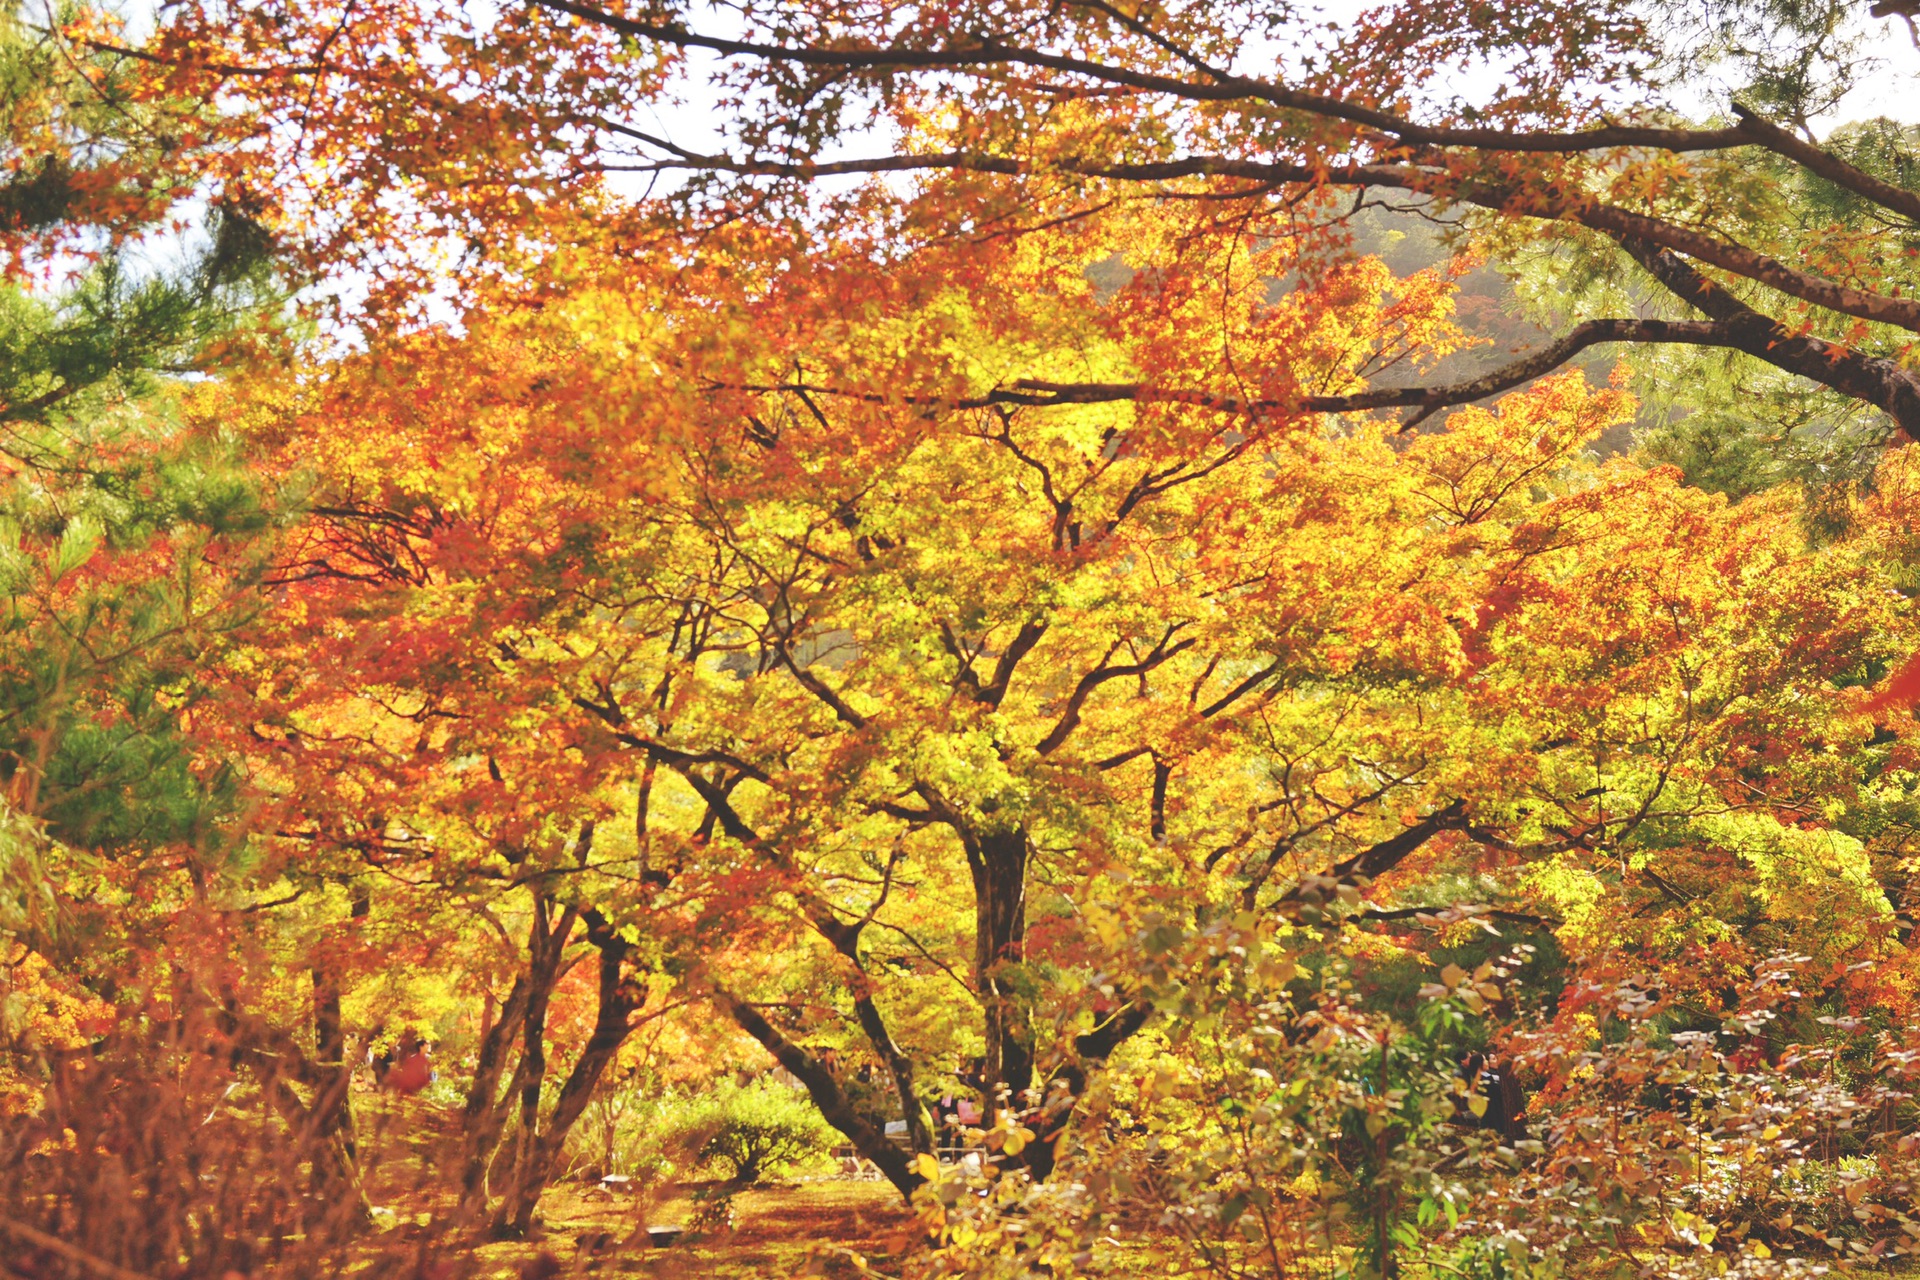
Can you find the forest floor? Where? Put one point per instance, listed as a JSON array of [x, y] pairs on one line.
[[586, 1228], [777, 1232]]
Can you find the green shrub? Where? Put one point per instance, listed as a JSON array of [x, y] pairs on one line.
[[755, 1130]]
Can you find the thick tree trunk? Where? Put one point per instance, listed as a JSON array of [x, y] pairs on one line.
[[1068, 1084], [329, 1125], [330, 1118], [999, 865]]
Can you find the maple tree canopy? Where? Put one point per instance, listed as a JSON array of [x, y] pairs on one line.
[[1570, 126], [1076, 555]]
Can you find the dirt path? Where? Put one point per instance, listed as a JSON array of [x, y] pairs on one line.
[[587, 1229]]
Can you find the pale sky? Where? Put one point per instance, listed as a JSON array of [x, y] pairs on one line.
[[1893, 90]]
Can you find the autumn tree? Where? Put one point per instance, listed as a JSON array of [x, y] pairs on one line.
[[937, 696], [1579, 138], [994, 602]]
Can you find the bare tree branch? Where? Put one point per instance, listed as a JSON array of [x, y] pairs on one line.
[[1077, 700]]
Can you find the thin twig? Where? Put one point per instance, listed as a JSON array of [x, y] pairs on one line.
[[53, 1244]]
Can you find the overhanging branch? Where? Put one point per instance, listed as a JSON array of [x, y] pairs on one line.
[[1880, 382]]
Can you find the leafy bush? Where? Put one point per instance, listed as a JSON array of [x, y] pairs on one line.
[[755, 1130]]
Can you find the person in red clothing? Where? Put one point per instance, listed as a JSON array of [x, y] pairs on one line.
[[407, 1068]]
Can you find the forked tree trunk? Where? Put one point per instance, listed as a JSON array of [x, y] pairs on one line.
[[869, 1139], [846, 940], [899, 1067], [485, 1117], [485, 1114], [612, 1025]]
